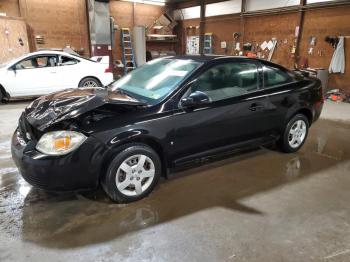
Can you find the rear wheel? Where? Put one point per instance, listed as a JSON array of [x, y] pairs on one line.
[[132, 174], [295, 134], [90, 82]]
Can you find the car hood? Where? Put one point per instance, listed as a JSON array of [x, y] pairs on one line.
[[2, 69], [53, 108]]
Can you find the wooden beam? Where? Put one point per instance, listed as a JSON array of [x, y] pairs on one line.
[[88, 26], [202, 27], [243, 9], [298, 40]]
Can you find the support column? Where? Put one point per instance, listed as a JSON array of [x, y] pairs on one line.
[[243, 6], [202, 27], [298, 40]]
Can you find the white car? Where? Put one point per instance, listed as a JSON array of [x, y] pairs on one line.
[[44, 72]]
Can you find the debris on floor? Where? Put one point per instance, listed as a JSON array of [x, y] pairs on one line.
[[338, 95]]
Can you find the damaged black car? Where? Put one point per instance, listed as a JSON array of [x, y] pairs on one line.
[[168, 113]]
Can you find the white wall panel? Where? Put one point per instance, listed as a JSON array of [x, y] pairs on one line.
[[253, 5]]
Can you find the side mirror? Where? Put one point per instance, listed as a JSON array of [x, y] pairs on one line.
[[195, 99], [13, 68]]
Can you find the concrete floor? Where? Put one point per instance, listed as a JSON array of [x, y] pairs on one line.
[[257, 206]]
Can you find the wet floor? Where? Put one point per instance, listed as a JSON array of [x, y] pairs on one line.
[[261, 205]]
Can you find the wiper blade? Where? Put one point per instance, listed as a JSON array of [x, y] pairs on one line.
[[136, 101]]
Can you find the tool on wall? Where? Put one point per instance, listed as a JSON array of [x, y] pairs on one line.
[[235, 50], [272, 50], [128, 58], [332, 40]]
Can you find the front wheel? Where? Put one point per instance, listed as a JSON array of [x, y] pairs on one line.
[[295, 134], [132, 174]]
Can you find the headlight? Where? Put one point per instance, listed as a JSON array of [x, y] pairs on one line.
[[60, 142]]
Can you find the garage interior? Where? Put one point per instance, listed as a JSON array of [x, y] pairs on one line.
[[259, 205]]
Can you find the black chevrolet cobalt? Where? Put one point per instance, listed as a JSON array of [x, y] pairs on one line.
[[168, 113]]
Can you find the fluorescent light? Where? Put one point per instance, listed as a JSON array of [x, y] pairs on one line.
[[147, 2]]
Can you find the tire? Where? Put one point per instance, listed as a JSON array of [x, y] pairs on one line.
[[295, 134], [90, 82], [125, 181], [2, 94]]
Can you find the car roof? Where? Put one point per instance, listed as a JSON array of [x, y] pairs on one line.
[[207, 58], [54, 52]]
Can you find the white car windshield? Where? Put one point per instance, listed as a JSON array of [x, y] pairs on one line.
[[156, 79]]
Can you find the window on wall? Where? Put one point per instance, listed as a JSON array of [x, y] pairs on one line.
[[319, 1], [274, 77], [221, 8], [227, 80], [254, 5]]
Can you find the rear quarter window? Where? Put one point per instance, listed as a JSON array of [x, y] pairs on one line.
[[65, 60], [274, 77]]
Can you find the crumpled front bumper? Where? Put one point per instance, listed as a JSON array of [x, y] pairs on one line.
[[77, 170]]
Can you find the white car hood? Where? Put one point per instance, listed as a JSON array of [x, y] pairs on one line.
[[3, 70]]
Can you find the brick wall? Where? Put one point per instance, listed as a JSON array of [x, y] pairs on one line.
[[61, 23], [10, 7]]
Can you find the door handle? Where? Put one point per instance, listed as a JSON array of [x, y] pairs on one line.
[[256, 107], [53, 72]]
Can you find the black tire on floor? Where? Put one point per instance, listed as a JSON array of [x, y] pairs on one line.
[[90, 82], [109, 181], [1, 96], [284, 140]]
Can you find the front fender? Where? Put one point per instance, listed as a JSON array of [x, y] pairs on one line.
[[126, 137], [117, 143]]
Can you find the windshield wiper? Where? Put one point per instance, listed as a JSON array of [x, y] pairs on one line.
[[123, 92]]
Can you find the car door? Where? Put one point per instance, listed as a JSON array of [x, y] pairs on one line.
[[236, 114], [32, 76]]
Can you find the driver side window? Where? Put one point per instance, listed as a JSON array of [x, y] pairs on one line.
[[37, 62], [227, 80]]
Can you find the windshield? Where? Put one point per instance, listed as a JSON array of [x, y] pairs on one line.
[[156, 79]]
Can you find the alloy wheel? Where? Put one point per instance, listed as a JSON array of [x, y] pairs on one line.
[[297, 133], [135, 175], [90, 84]]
